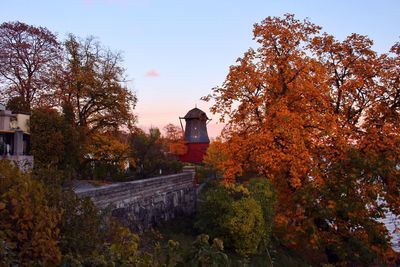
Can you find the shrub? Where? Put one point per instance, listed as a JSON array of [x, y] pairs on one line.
[[203, 254], [246, 225], [262, 191], [240, 215], [90, 237], [28, 225], [81, 232]]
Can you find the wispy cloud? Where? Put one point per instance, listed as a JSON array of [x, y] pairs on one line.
[[152, 73]]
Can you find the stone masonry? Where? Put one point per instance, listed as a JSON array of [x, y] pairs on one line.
[[144, 203]]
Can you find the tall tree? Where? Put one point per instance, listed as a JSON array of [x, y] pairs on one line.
[[46, 126], [28, 58], [353, 69], [306, 111], [93, 83]]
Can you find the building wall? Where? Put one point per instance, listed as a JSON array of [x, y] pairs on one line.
[[23, 122], [5, 116], [145, 203]]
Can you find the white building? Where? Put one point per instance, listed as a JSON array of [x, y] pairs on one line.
[[15, 138]]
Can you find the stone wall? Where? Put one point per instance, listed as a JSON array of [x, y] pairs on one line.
[[145, 203]]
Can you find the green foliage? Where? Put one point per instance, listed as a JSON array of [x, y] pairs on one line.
[[47, 140], [358, 237], [202, 254], [90, 237], [198, 254], [167, 255], [122, 244], [246, 225], [150, 152], [28, 225], [81, 232], [241, 216], [262, 191], [214, 203], [72, 138], [56, 143]]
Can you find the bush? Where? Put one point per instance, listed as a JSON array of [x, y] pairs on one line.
[[202, 253], [262, 191], [246, 225], [28, 225], [81, 232], [240, 215], [90, 237]]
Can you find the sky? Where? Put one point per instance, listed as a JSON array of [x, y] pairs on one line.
[[175, 52]]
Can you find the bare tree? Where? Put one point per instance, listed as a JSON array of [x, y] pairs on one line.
[[29, 57]]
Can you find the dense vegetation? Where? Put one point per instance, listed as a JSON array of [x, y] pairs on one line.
[[306, 167]]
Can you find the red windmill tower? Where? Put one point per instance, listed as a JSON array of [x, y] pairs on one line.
[[195, 135]]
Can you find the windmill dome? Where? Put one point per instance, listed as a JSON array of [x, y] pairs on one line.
[[196, 114]]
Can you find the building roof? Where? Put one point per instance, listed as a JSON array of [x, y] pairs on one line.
[[196, 114]]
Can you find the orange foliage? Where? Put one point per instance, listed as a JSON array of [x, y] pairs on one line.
[[174, 139], [320, 118], [106, 147], [215, 158]]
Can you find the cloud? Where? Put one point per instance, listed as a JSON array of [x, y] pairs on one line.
[[152, 73]]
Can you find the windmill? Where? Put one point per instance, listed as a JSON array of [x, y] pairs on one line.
[[195, 135]]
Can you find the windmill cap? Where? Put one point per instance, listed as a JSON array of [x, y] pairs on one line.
[[196, 114]]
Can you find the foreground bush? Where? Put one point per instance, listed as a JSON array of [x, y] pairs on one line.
[[240, 215], [28, 225], [90, 237]]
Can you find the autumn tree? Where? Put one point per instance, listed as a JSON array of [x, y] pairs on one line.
[[29, 57], [174, 139], [93, 82], [215, 157], [108, 153], [307, 112]]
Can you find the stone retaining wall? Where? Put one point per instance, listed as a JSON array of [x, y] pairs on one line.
[[143, 203]]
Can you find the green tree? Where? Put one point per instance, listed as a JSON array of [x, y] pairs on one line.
[[71, 141], [240, 215], [150, 152], [47, 139]]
